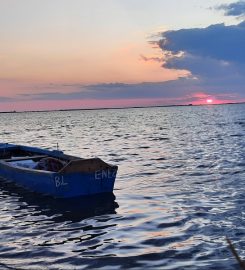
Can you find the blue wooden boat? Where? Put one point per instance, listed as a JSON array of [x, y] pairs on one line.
[[55, 173]]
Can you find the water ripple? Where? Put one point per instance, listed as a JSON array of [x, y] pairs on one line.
[[179, 191]]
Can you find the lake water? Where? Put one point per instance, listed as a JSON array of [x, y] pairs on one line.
[[180, 191]]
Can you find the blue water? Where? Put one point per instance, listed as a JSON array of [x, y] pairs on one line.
[[179, 192]]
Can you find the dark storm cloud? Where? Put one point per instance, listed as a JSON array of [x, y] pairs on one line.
[[214, 55], [233, 9], [217, 41]]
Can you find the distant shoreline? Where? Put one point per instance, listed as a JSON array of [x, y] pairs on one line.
[[122, 108]]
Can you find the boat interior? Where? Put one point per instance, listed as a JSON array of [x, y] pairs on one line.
[[16, 156], [15, 153], [54, 161]]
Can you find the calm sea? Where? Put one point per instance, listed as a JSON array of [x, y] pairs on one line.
[[180, 191]]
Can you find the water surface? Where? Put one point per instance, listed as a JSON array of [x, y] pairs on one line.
[[179, 191]]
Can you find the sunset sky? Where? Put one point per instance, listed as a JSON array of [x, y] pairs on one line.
[[61, 54]]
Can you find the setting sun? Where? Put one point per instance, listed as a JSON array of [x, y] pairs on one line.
[[209, 101]]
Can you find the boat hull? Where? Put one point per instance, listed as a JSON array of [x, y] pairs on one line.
[[61, 185]]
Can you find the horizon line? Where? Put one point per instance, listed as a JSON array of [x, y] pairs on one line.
[[122, 108]]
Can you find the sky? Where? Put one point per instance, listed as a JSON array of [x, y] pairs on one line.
[[67, 54]]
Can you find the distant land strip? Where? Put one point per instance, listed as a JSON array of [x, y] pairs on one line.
[[123, 108]]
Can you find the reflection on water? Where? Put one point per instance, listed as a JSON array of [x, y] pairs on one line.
[[61, 210], [180, 191], [33, 222]]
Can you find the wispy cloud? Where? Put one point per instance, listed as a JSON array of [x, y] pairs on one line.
[[104, 91], [233, 9], [181, 91], [6, 99], [152, 58]]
